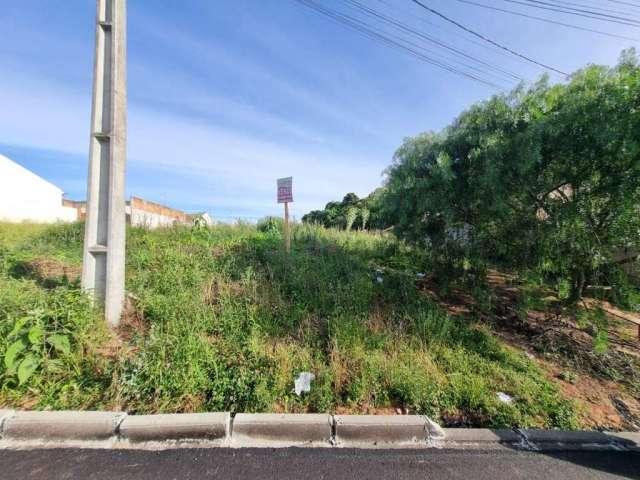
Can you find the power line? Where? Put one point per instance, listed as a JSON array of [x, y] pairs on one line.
[[406, 28], [548, 20], [468, 30], [445, 27], [582, 10], [601, 9], [431, 52], [625, 3], [397, 42], [559, 10], [363, 28]]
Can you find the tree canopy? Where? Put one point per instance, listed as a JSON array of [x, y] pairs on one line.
[[544, 177], [351, 212]]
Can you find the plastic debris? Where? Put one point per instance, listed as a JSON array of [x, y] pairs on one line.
[[421, 275], [303, 382], [378, 275], [504, 398]]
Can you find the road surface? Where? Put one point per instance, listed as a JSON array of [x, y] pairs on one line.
[[309, 464]]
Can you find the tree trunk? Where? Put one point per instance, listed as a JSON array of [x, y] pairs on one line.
[[577, 286]]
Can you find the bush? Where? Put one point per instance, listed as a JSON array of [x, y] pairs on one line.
[[48, 358], [545, 178], [271, 225], [222, 319]]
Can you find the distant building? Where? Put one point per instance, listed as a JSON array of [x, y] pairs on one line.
[[80, 208], [26, 197], [151, 215], [143, 213]]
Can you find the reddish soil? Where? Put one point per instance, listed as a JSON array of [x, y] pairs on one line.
[[51, 269], [606, 386]]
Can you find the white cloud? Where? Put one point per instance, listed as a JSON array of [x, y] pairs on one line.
[[39, 113]]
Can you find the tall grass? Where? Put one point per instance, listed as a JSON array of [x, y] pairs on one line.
[[224, 319]]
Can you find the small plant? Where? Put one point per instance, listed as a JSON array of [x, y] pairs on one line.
[[30, 344], [569, 377], [365, 214], [601, 342], [199, 223], [351, 216], [271, 225], [564, 289], [36, 339], [595, 321]]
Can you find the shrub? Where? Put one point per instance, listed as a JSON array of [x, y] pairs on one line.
[[543, 178], [271, 225]]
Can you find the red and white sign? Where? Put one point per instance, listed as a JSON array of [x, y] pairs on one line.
[[285, 190]]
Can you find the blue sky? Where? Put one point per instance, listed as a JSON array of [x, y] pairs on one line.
[[226, 96]]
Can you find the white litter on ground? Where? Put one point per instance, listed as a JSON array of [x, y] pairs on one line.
[[378, 275], [421, 275], [503, 397], [303, 382]]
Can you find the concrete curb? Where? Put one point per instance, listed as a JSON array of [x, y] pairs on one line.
[[539, 440], [61, 425], [118, 430], [564, 440], [371, 430], [630, 440], [4, 414], [481, 437], [254, 429], [179, 427]]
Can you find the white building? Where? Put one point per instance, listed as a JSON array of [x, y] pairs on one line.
[[26, 197]]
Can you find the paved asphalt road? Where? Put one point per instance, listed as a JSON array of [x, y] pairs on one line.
[[308, 464]]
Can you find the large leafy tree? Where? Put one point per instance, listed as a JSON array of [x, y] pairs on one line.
[[546, 177]]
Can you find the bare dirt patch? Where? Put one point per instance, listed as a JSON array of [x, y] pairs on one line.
[[133, 321], [604, 406], [120, 343], [217, 289], [45, 269], [605, 385]]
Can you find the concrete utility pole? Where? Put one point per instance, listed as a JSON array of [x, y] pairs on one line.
[[103, 269]]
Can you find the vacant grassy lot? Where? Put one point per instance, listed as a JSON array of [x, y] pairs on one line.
[[222, 319]]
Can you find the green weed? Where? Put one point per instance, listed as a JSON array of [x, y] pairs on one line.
[[223, 319]]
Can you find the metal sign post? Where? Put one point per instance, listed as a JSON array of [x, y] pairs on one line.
[[285, 195], [103, 268]]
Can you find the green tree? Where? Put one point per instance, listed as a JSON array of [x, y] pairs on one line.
[[365, 213], [368, 212], [317, 217], [350, 200], [545, 177], [351, 216]]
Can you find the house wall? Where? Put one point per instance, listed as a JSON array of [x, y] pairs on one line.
[[25, 197], [142, 213], [80, 208]]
